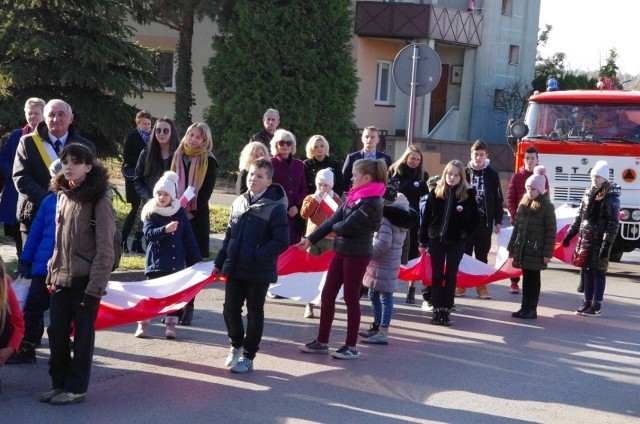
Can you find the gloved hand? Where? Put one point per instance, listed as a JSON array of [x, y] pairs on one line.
[[566, 241], [604, 251], [24, 268], [90, 302]]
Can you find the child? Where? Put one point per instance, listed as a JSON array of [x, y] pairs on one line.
[[78, 271], [258, 232], [533, 239], [354, 224], [33, 264], [170, 241], [381, 275], [486, 183], [11, 321], [450, 215], [597, 223], [426, 290], [316, 214]]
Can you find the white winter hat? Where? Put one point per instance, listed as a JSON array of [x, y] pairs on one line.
[[325, 176], [600, 169], [168, 182], [538, 179]]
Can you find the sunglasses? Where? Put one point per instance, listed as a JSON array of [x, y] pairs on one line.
[[285, 143], [163, 130]]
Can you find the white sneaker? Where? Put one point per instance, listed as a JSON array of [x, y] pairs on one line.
[[235, 353], [141, 331], [308, 311], [426, 306], [170, 332]]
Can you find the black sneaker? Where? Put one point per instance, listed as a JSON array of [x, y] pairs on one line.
[[26, 354], [594, 311], [346, 352], [585, 305], [373, 329], [444, 318]]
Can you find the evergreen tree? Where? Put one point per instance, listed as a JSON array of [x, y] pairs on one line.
[[76, 50], [610, 69], [291, 55], [180, 16]]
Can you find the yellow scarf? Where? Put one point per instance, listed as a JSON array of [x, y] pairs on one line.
[[199, 161]]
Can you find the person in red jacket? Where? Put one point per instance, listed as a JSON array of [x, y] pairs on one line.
[[517, 190], [11, 319]]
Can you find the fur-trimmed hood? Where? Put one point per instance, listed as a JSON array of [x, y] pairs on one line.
[[399, 213], [92, 189]]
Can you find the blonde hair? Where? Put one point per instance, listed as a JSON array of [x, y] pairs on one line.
[[393, 169], [282, 135], [4, 296], [248, 154], [442, 188], [376, 169], [312, 142], [205, 131], [534, 205]]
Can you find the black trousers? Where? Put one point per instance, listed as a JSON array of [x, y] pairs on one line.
[[36, 305], [444, 255], [236, 293]]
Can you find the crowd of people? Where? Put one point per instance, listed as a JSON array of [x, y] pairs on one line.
[[373, 213]]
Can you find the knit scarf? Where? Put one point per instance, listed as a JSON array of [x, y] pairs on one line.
[[199, 161], [152, 207], [366, 190], [145, 135]]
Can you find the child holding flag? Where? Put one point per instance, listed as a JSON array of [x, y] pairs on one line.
[[316, 209]]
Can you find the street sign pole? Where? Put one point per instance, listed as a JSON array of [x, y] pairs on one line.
[[412, 96]]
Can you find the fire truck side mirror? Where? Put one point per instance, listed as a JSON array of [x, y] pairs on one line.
[[518, 130]]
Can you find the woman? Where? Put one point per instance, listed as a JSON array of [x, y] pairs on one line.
[[450, 215], [354, 224], [156, 158], [196, 167], [597, 222], [134, 143], [251, 151], [317, 151], [79, 270], [411, 178], [289, 173], [532, 240]]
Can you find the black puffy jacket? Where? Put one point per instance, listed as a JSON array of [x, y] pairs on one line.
[[597, 223]]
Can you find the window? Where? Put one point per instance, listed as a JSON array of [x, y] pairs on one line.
[[499, 99], [384, 83], [166, 70], [514, 53], [507, 7]]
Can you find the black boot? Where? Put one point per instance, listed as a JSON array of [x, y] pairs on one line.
[[26, 354], [437, 316], [411, 295], [532, 309], [523, 308], [136, 246], [444, 317], [187, 314]]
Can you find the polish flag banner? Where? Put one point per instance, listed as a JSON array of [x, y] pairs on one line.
[[128, 302], [471, 5], [328, 205], [301, 275]]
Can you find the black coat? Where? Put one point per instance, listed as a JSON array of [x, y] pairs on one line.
[[447, 219], [311, 168], [132, 146], [493, 199], [597, 223]]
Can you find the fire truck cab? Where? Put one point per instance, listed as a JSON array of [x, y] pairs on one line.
[[572, 130]]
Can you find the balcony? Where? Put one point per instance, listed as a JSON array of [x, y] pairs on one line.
[[407, 20]]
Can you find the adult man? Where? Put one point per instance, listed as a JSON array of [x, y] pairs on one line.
[[517, 190], [33, 113], [35, 153], [270, 121], [370, 139], [486, 182]]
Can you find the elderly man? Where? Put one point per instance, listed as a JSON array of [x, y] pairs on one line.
[[370, 139], [35, 153], [270, 120]]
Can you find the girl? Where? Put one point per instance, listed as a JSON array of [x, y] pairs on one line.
[[11, 321], [316, 214], [79, 270], [251, 151], [450, 215], [597, 223], [411, 178], [533, 239], [170, 240], [196, 167], [354, 224], [382, 273]]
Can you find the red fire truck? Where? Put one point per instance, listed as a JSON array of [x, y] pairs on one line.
[[574, 129]]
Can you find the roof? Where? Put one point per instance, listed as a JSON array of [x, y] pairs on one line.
[[587, 96]]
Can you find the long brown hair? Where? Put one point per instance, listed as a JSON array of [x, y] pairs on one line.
[[376, 169]]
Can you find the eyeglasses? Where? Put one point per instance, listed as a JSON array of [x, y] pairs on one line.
[[285, 143], [163, 130]]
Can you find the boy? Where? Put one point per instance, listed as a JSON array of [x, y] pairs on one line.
[[486, 182], [257, 233]]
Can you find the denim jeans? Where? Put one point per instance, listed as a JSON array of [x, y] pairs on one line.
[[235, 294], [594, 284], [34, 308], [382, 305], [71, 373]]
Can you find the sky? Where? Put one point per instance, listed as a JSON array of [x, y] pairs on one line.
[[585, 30]]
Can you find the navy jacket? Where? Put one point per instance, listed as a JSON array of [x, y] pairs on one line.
[[256, 235], [169, 252], [347, 169]]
